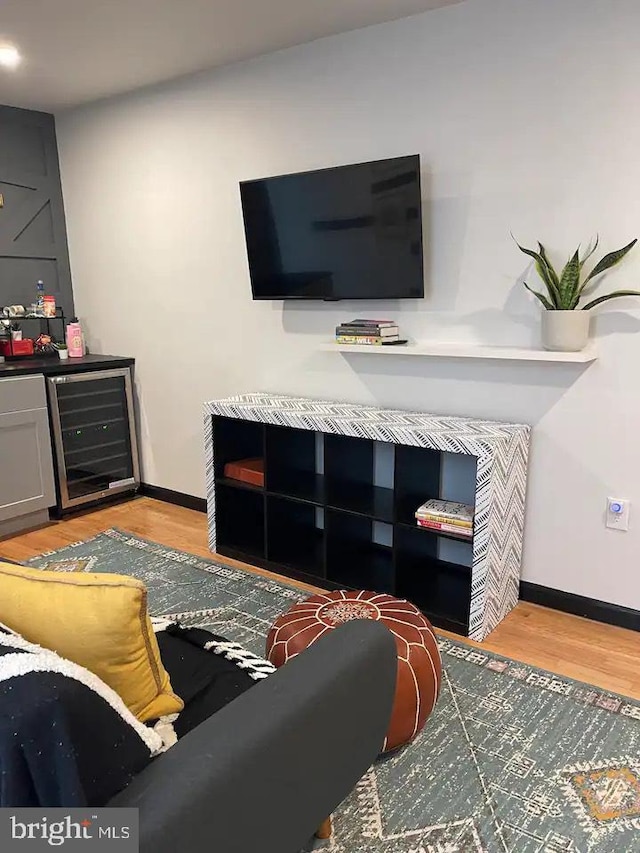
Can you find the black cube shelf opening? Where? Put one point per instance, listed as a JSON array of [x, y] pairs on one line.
[[350, 478], [236, 439], [322, 516], [240, 521], [417, 476], [295, 535], [354, 558], [439, 587], [291, 464]]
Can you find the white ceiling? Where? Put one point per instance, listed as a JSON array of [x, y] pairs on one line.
[[81, 50]]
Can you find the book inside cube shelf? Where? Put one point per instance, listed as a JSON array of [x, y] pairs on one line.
[[446, 509], [446, 516]]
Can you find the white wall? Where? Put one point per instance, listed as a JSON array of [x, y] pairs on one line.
[[525, 116]]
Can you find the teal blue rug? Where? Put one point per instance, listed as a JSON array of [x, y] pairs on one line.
[[513, 759]]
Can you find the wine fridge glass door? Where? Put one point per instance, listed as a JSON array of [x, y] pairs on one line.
[[94, 430]]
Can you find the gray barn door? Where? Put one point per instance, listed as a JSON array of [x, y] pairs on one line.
[[33, 238]]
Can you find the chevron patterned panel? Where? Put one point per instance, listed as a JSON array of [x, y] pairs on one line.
[[506, 530], [481, 527], [210, 477], [500, 449]]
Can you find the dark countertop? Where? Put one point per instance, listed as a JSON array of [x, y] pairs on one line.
[[52, 366]]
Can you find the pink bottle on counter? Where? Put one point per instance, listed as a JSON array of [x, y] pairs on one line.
[[75, 341]]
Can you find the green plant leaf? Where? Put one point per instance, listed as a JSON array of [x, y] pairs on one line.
[[553, 276], [570, 281], [540, 296], [615, 295], [590, 252], [542, 270], [610, 260]]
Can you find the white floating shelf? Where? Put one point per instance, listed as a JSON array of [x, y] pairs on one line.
[[477, 351]]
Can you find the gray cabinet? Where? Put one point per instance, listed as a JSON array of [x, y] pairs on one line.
[[27, 486]]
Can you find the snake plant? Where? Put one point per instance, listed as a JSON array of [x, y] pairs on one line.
[[565, 291]]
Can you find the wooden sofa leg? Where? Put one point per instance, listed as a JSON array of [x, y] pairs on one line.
[[325, 829]]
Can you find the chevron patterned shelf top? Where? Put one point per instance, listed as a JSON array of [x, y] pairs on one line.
[[442, 432], [501, 452], [437, 349]]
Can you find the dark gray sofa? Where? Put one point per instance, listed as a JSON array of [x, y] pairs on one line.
[[265, 771]]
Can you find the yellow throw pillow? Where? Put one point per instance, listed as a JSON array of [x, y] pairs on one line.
[[99, 621]]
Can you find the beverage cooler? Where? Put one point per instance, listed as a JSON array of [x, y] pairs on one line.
[[93, 424]]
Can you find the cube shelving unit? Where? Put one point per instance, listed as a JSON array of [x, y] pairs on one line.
[[342, 483]]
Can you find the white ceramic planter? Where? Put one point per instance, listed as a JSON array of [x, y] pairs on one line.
[[63, 354], [565, 331]]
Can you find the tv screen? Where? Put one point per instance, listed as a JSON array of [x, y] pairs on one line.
[[351, 232]]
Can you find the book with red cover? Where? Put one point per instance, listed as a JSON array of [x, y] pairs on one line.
[[456, 530], [246, 470]]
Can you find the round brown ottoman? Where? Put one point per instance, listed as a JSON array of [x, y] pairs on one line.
[[419, 663]]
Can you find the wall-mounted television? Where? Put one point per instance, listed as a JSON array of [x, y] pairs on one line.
[[349, 232]]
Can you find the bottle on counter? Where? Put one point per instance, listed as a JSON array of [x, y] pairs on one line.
[[40, 298], [75, 339]]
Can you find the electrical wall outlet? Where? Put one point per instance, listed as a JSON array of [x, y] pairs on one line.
[[617, 513]]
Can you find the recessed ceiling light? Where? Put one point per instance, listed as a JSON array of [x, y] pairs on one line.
[[9, 56]]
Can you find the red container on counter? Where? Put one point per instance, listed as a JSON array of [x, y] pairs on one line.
[[16, 348]]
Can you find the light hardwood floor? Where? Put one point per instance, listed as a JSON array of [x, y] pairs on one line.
[[578, 648]]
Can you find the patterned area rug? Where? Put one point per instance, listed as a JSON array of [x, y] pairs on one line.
[[513, 760]]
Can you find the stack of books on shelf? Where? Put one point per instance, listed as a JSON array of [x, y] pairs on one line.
[[369, 332], [446, 517]]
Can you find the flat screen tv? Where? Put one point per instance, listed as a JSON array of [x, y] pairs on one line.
[[350, 232]]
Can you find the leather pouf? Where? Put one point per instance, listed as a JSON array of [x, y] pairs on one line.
[[419, 662]]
